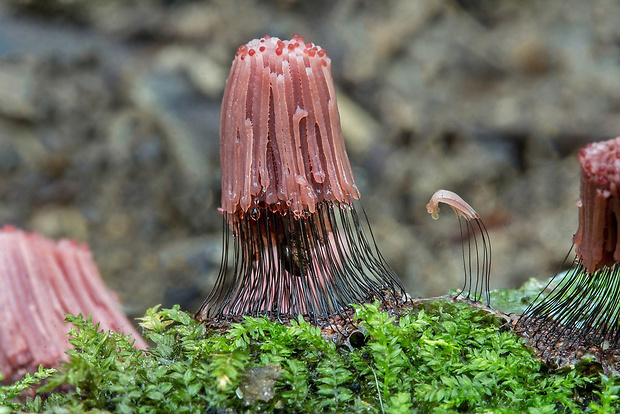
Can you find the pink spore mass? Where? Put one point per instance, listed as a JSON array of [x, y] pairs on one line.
[[280, 138]]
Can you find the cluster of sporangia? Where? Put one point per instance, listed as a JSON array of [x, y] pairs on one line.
[[299, 246]]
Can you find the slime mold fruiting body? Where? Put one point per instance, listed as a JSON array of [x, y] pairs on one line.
[[288, 191], [41, 281], [477, 253], [584, 307]]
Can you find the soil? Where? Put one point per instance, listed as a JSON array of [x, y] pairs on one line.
[[109, 119]]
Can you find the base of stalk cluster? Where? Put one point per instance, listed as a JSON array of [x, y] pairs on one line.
[[316, 265], [560, 349], [581, 312]]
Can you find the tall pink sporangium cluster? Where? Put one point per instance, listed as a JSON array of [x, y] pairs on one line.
[[294, 243]]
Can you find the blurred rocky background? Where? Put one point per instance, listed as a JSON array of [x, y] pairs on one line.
[[109, 118]]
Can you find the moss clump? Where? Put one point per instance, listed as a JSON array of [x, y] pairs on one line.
[[517, 300], [442, 357]]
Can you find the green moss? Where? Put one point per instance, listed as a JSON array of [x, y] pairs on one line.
[[516, 300], [443, 357]]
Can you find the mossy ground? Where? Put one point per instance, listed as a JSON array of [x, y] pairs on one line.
[[438, 357]]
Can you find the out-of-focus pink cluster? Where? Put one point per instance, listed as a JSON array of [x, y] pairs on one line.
[[41, 281]]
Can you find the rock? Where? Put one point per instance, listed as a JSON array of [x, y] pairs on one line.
[[203, 71], [9, 157], [359, 127], [17, 83], [190, 267], [258, 384], [531, 56], [189, 125], [194, 20], [117, 226], [128, 19], [183, 115], [60, 222], [22, 140], [133, 140]]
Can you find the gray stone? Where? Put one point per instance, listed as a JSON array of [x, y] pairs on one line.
[[258, 384], [18, 86], [57, 222], [191, 132]]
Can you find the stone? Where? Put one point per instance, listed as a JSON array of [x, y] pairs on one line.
[[18, 86], [258, 384], [183, 116], [60, 222]]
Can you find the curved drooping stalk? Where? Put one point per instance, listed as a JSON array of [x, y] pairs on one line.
[[476, 244]]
